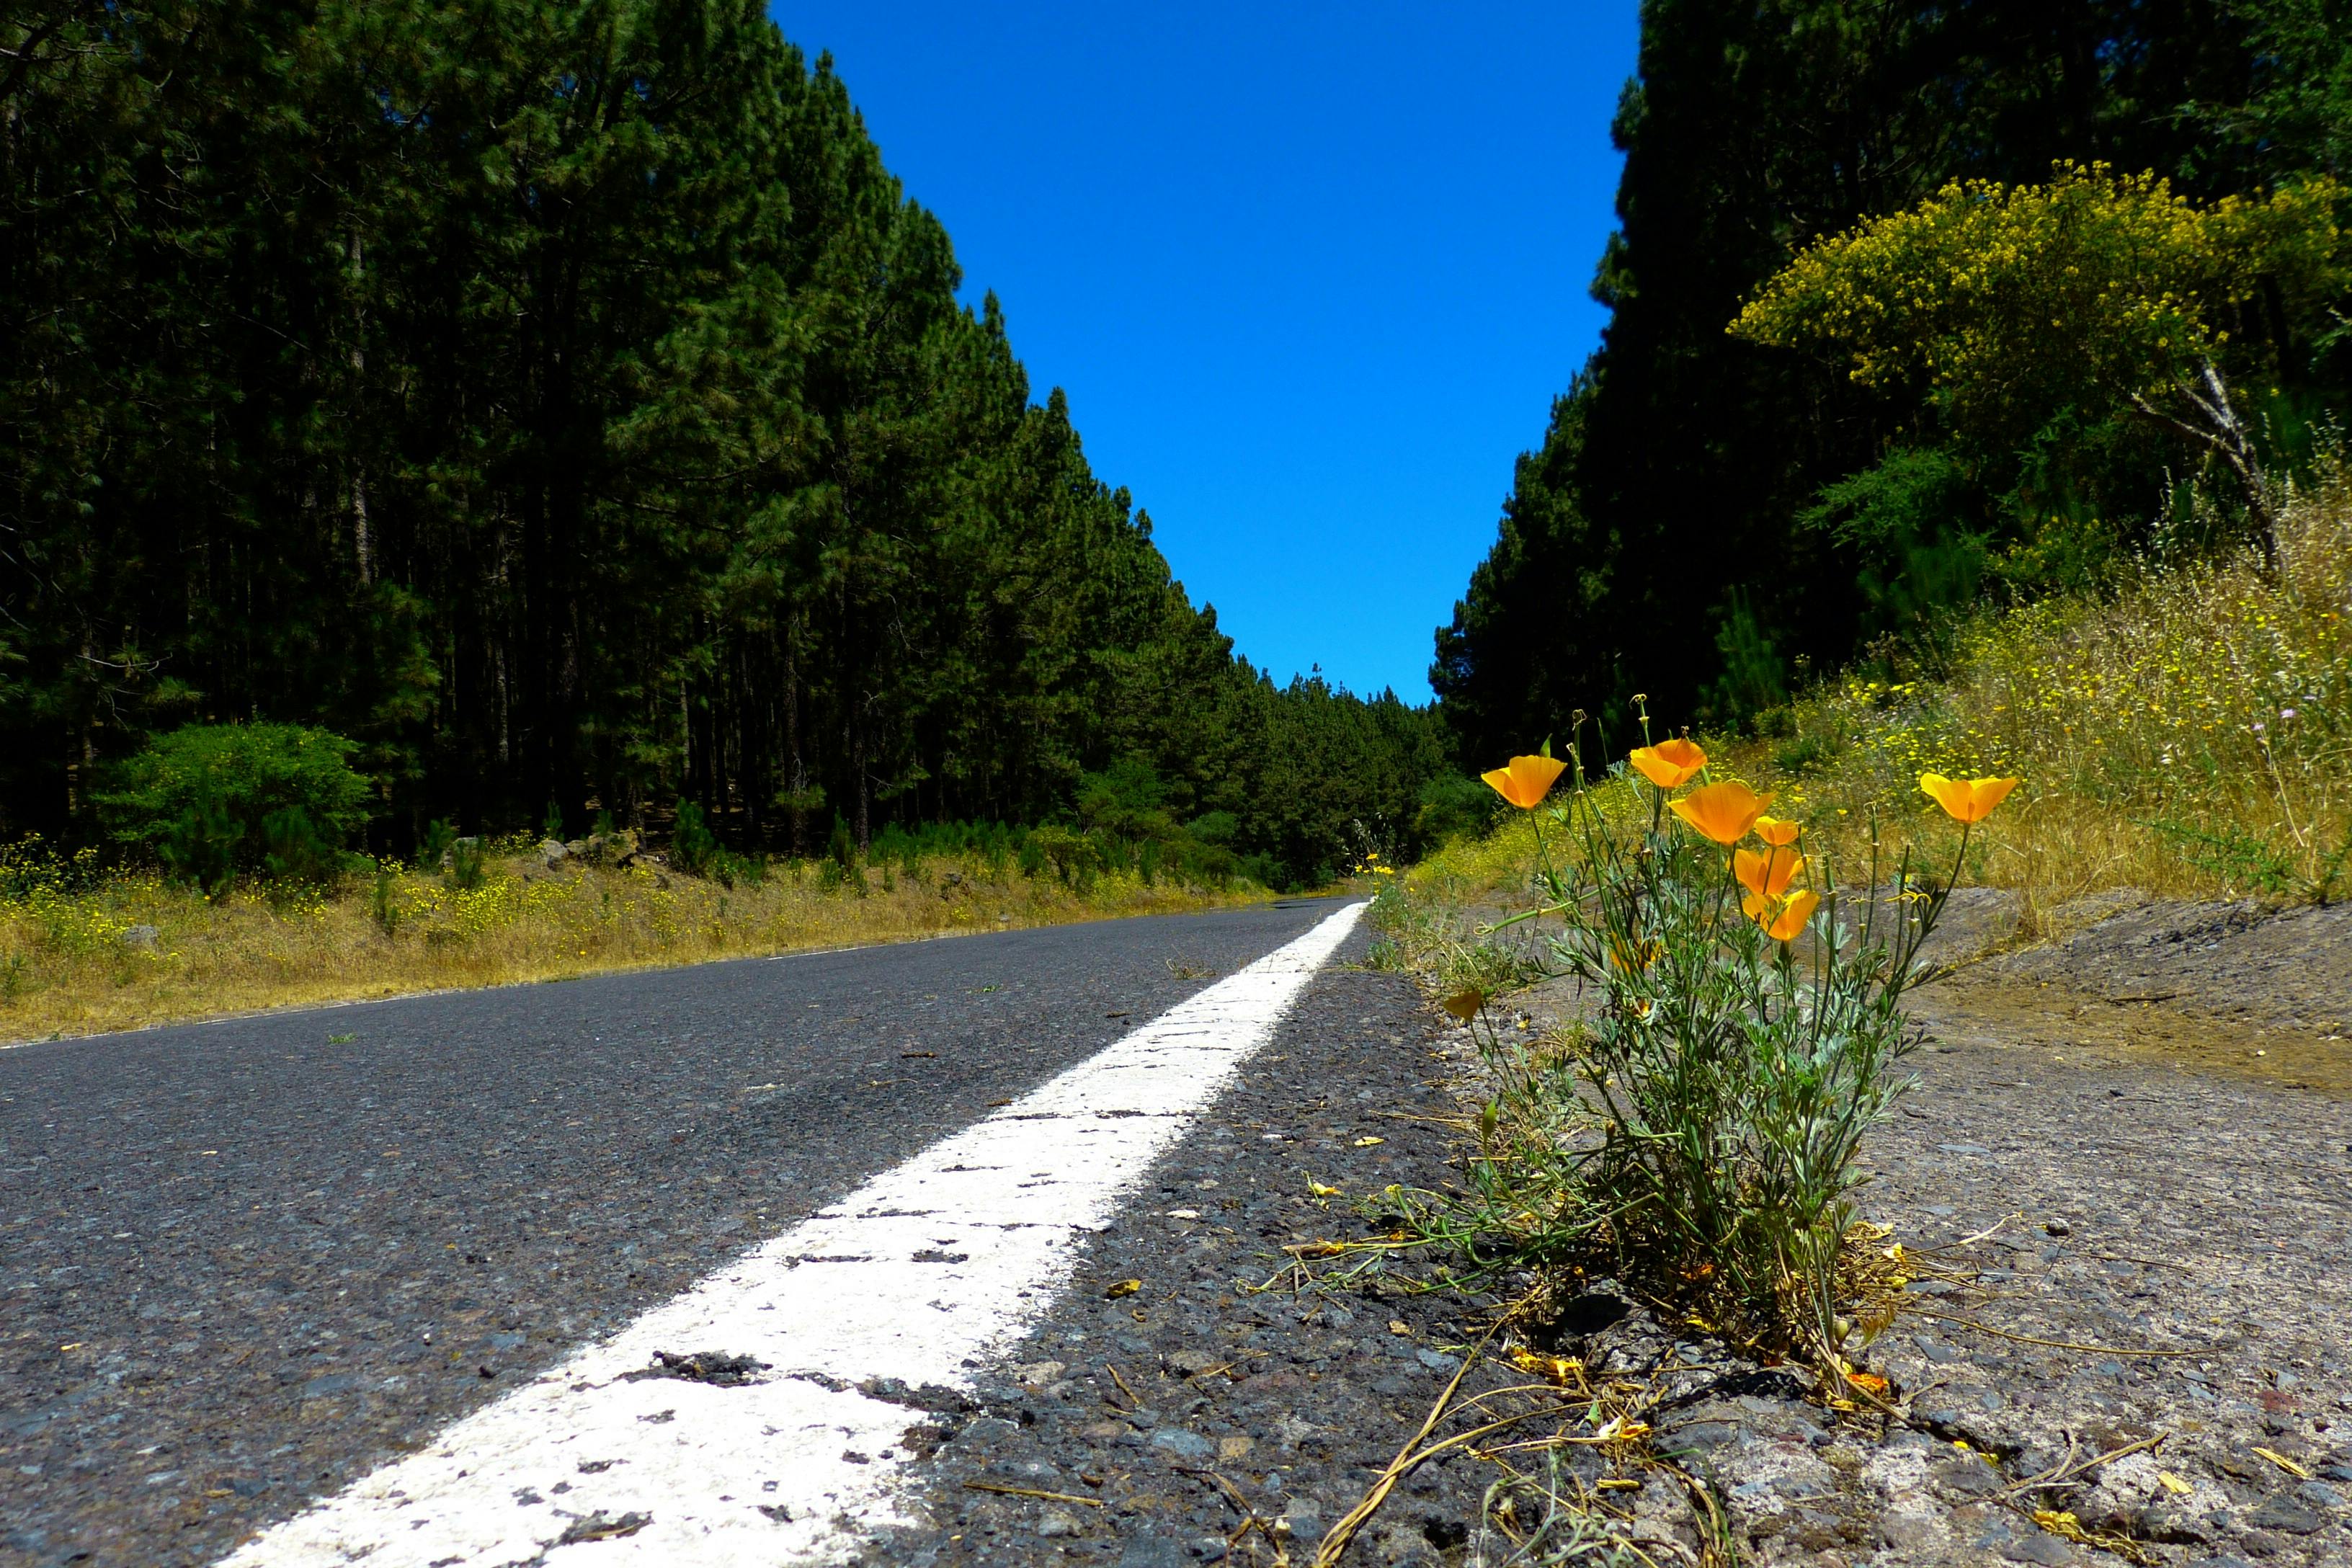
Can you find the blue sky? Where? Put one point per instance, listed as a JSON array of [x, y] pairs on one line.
[[1310, 274]]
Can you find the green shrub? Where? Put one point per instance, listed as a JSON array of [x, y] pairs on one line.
[[213, 801], [692, 846], [439, 836], [468, 866], [1453, 805], [294, 851], [383, 899]]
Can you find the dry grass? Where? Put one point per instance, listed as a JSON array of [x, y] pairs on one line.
[[67, 969], [2191, 735]]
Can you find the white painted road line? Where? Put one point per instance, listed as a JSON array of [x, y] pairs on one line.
[[941, 1262]]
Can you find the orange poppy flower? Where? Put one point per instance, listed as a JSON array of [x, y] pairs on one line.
[[1767, 875], [1777, 831], [1723, 812], [1527, 781], [1670, 764], [1782, 919], [1966, 800]]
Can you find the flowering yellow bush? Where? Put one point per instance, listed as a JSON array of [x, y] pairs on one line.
[[2093, 291], [1985, 286]]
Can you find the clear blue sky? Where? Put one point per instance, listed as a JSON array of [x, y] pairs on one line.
[[1311, 274]]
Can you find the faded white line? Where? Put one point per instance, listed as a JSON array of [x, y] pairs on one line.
[[924, 1273]]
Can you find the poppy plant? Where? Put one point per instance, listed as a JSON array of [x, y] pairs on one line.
[[1723, 812], [1527, 781], [1782, 919], [1670, 764], [1966, 800]]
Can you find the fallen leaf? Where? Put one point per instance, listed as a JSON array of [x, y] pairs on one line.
[[1123, 1288], [1868, 1382], [2284, 1463], [2174, 1484], [1397, 1326], [1368, 1143]]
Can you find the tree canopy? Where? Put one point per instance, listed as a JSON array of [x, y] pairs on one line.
[[1710, 517], [561, 399]]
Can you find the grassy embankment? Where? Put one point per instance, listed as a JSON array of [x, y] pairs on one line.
[[2189, 734], [65, 966]]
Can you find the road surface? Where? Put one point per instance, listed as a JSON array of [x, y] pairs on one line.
[[248, 1263]]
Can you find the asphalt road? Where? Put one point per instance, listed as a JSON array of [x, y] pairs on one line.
[[245, 1262]]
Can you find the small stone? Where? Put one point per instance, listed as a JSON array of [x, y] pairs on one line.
[[1154, 1551], [1184, 1445], [1191, 1363], [2057, 1227], [141, 938], [2038, 1548], [1057, 1523], [2286, 1513]]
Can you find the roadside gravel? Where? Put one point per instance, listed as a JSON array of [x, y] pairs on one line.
[[1169, 1411], [2074, 1196]]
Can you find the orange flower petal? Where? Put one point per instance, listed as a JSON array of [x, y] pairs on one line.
[[1990, 793], [1723, 812], [1527, 781], [1766, 874], [1793, 916], [1966, 800], [1670, 764], [1777, 831]]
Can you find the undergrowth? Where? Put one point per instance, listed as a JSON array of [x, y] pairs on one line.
[[2187, 733], [85, 949]]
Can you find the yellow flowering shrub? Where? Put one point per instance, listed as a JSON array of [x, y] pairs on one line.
[[1995, 290]]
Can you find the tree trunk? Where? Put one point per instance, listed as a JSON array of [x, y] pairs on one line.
[[2220, 432]]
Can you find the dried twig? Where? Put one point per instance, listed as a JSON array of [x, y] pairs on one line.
[[1122, 1385], [2067, 1473], [1031, 1491], [2053, 1345], [1328, 1554]]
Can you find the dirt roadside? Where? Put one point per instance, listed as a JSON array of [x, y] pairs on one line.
[[2127, 1165]]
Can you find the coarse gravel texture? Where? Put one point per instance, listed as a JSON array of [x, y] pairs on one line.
[[2087, 1170], [2132, 1140], [1169, 1411], [242, 1263]]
